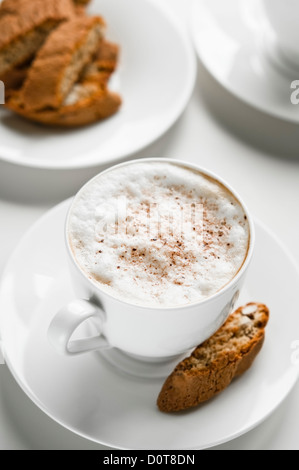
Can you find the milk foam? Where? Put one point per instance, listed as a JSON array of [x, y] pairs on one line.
[[116, 239]]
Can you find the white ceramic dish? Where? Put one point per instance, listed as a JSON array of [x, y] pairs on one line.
[[92, 398], [155, 77], [234, 44]]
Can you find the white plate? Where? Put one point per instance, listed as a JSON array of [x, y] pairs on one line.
[[155, 78], [95, 400], [241, 55]]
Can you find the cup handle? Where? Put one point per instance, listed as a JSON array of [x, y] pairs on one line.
[[67, 320]]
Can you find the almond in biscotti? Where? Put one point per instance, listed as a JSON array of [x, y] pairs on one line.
[[213, 365], [104, 64], [60, 62]]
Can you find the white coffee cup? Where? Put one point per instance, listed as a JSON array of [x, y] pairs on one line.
[[282, 16], [150, 333]]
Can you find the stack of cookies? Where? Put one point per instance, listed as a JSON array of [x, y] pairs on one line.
[[56, 63]]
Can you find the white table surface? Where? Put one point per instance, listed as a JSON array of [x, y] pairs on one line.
[[258, 155]]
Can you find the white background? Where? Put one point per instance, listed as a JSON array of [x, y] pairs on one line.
[[256, 154]]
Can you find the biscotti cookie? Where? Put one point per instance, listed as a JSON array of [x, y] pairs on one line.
[[60, 61], [86, 103], [24, 26], [213, 365]]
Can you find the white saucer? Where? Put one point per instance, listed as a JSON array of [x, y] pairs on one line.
[[93, 399], [230, 42], [155, 78]]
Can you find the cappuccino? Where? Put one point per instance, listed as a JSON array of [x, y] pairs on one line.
[[158, 234]]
